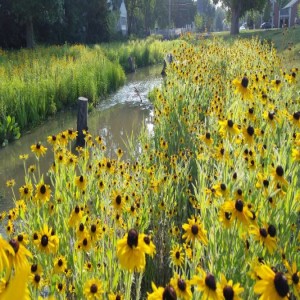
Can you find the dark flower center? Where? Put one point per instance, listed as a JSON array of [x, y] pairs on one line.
[[279, 171], [223, 187], [239, 205], [33, 268], [81, 178], [26, 191], [250, 130], [44, 240], [20, 238], [272, 230], [295, 278], [278, 81], [265, 183], [263, 232], [281, 284], [181, 284], [207, 135], [296, 115], [169, 293], [84, 242], [271, 115], [147, 240], [118, 199], [60, 262], [38, 146], [15, 244], [132, 238], [77, 210], [195, 229], [81, 227], [60, 286], [93, 228], [37, 278], [118, 297], [211, 282], [251, 110], [177, 254], [43, 189], [245, 82], [228, 292], [230, 123], [94, 289]]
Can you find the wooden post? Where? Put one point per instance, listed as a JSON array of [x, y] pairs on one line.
[[81, 120]]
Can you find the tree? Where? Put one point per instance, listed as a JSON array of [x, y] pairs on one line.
[[238, 8], [30, 11]]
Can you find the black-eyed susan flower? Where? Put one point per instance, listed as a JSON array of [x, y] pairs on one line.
[[238, 210], [10, 183], [93, 289], [249, 134], [81, 182], [228, 127], [182, 287], [149, 247], [20, 258], [46, 241], [228, 290], [276, 84], [52, 139], [26, 191], [131, 251], [194, 230], [263, 237], [61, 286], [117, 200], [115, 296], [206, 284], [271, 285], [160, 293], [60, 264], [225, 218], [38, 149], [5, 250], [75, 217], [42, 192], [278, 175], [242, 87], [293, 277], [177, 256]]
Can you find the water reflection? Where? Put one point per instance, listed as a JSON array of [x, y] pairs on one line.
[[119, 116]]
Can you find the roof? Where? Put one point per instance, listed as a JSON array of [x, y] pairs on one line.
[[291, 3]]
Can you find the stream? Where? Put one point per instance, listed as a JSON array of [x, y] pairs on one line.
[[117, 117]]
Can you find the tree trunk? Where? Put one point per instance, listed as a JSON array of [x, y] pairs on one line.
[[29, 33], [235, 17]]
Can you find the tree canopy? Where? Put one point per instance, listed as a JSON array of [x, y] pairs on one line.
[[238, 8]]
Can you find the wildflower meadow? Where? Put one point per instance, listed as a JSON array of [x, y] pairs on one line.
[[207, 206]]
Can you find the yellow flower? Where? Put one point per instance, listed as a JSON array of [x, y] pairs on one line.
[[38, 149], [43, 192], [228, 290], [263, 237], [131, 252], [10, 183], [238, 210], [293, 278], [177, 255], [194, 231], [278, 175], [5, 250], [206, 284], [81, 182], [26, 191], [20, 258], [93, 290], [60, 264], [242, 87], [228, 127], [46, 241], [160, 293], [182, 287], [271, 285]]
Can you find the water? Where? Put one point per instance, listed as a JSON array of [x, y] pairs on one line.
[[119, 116]]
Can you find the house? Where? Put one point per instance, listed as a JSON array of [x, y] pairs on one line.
[[122, 21], [288, 15]]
